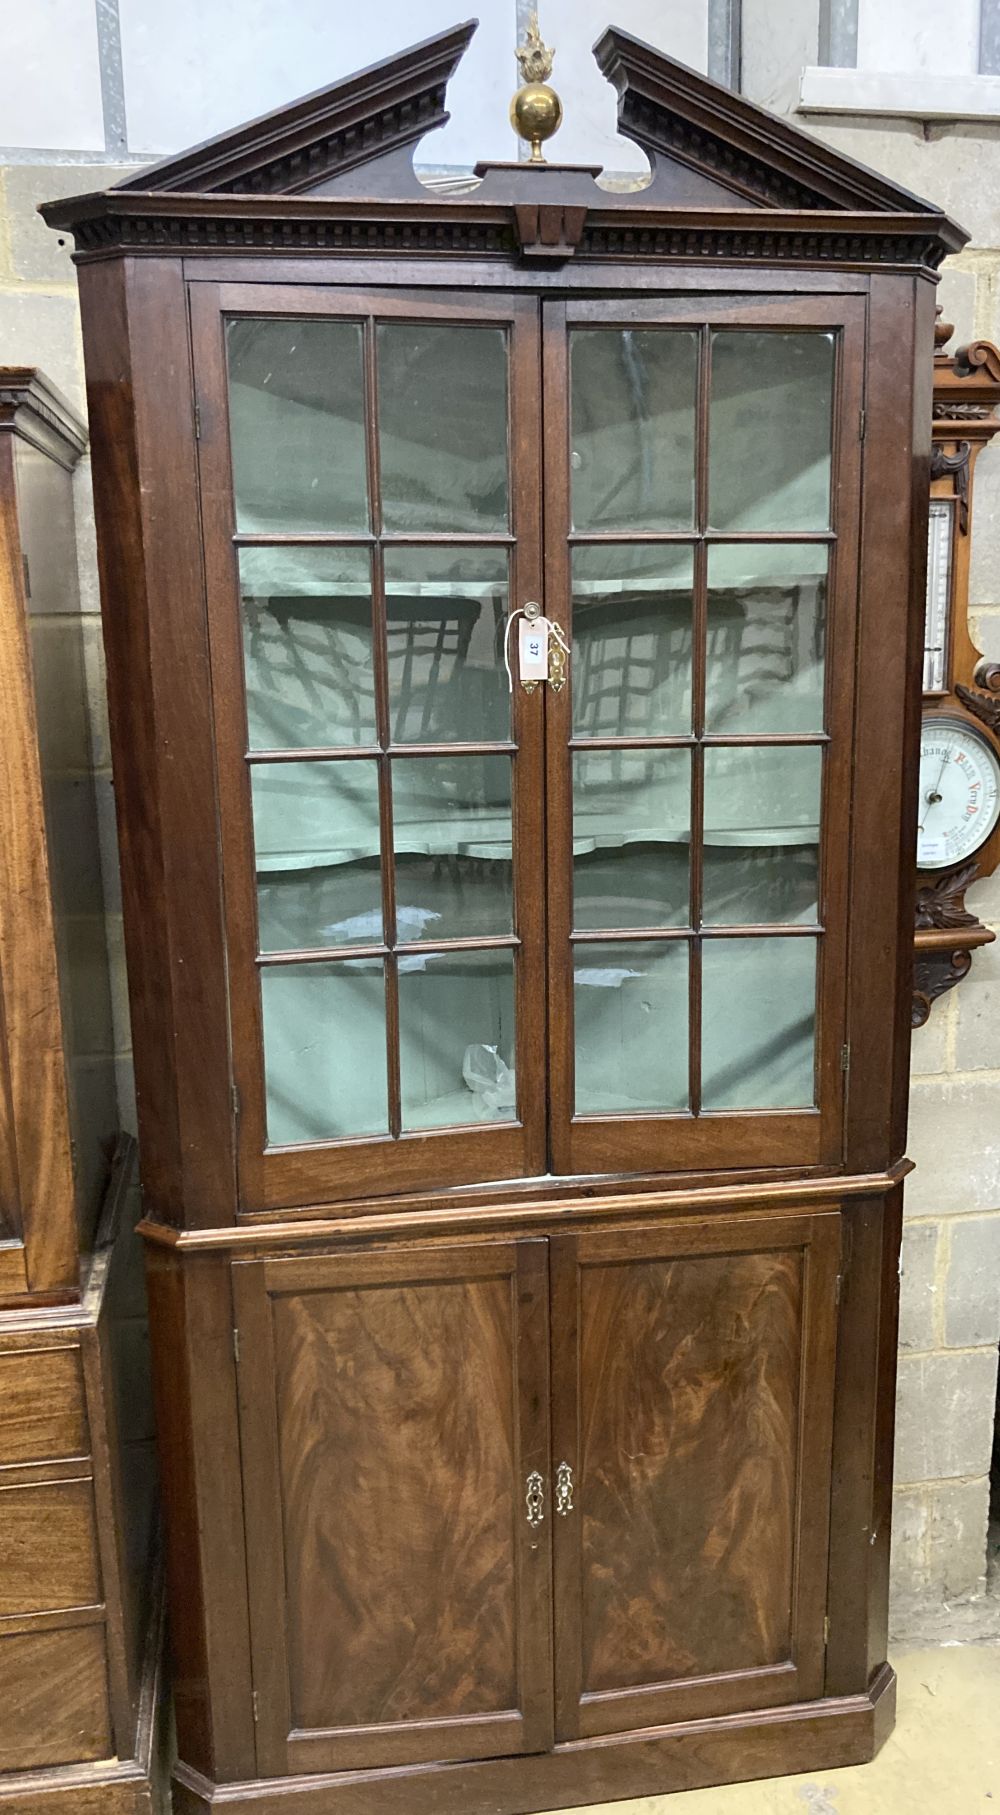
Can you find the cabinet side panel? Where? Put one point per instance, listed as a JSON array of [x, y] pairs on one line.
[[140, 395], [920, 479], [190, 1314], [881, 933], [864, 1418]]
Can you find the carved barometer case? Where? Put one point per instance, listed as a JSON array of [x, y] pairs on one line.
[[514, 598], [958, 817]]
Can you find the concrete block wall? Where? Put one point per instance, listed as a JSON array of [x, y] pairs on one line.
[[950, 1285], [40, 326]]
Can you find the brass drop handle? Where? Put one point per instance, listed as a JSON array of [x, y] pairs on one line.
[[564, 1489], [534, 1498]]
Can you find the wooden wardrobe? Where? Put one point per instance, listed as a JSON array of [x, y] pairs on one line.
[[522, 1065]]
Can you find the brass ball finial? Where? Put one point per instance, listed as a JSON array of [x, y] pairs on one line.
[[536, 111]]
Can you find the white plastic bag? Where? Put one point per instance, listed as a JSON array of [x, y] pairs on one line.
[[491, 1082]]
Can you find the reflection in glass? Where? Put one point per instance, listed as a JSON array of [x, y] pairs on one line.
[[758, 1023], [630, 1007], [456, 1038], [761, 853], [307, 647], [451, 823], [316, 839], [442, 396], [633, 426], [766, 637], [631, 670], [771, 430], [446, 612], [631, 838], [324, 1050], [296, 423]]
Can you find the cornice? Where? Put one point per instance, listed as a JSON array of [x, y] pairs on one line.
[[32, 407], [620, 228]]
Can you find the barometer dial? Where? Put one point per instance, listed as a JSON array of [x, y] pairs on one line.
[[959, 792]]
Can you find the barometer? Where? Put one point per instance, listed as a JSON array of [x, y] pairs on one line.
[[959, 792]]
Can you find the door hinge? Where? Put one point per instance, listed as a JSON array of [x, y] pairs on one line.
[[826, 1629], [27, 576], [861, 425], [836, 1295], [256, 1707], [236, 1347], [197, 421], [845, 1058], [236, 1103]]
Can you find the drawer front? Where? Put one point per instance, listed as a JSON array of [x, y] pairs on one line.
[[44, 1415], [48, 1548], [54, 1697]]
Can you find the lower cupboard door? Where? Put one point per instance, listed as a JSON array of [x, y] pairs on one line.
[[693, 1369], [394, 1409]]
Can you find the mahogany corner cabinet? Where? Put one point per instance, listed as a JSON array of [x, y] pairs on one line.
[[513, 604]]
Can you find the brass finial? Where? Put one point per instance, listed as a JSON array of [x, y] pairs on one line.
[[535, 58], [536, 110]]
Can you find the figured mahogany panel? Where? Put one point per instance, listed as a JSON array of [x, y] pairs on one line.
[[694, 1391], [691, 1459], [48, 1547], [383, 1393], [44, 1415], [54, 1694], [410, 1484]]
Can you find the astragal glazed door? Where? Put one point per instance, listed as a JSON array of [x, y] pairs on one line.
[[701, 475], [483, 931], [371, 474]]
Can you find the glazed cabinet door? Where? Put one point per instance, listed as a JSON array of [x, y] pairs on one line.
[[394, 1423], [702, 471], [370, 470], [693, 1371]]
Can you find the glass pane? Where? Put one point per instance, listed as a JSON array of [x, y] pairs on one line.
[[631, 669], [761, 859], [771, 431], [632, 434], [766, 637], [631, 838], [631, 1025], [451, 823], [442, 393], [446, 613], [940, 541], [324, 1050], [456, 1038], [316, 837], [758, 1023], [307, 647], [296, 423]]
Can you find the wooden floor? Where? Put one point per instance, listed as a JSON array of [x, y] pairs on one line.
[[944, 1757]]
